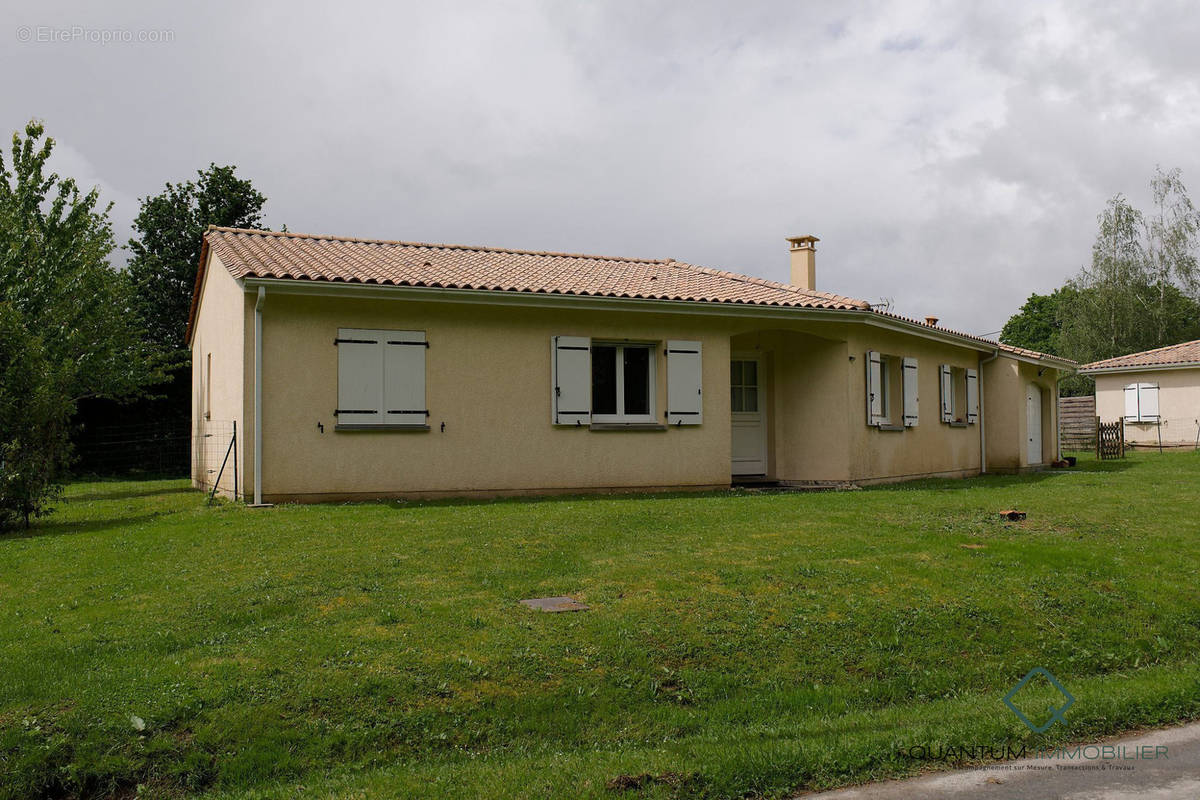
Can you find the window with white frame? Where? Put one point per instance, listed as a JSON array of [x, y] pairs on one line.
[[381, 378], [614, 382], [622, 382], [892, 391], [1141, 402], [743, 386], [959, 395]]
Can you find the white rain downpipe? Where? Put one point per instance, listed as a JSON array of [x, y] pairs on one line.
[[1057, 424], [983, 415], [258, 356]]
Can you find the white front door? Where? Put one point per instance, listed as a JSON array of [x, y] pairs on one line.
[[747, 403], [1033, 404]]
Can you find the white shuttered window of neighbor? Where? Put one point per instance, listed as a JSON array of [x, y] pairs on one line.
[[1141, 402], [685, 397], [875, 388], [571, 380], [1148, 401], [972, 396], [911, 396], [381, 377]]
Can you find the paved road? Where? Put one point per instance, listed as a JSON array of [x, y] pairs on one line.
[[1175, 777]]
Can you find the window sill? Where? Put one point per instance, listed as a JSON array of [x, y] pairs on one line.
[[889, 427], [958, 424], [352, 427], [627, 426]]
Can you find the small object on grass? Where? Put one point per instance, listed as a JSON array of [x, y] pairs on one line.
[[974, 546], [139, 724], [1012, 515], [553, 605]]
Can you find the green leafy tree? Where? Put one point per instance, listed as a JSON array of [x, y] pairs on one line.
[[55, 272], [1172, 233], [1135, 295], [34, 415], [1039, 322], [69, 328], [166, 251], [1141, 290]]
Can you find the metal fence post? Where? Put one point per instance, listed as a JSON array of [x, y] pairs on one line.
[[235, 457]]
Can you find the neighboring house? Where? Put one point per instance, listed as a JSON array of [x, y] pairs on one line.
[[360, 369], [1156, 392]]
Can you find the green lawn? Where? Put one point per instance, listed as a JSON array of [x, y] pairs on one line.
[[738, 643]]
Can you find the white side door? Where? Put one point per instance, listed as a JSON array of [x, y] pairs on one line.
[[1033, 404], [749, 420]]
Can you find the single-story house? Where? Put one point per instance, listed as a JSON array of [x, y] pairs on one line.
[[1156, 392], [357, 368]]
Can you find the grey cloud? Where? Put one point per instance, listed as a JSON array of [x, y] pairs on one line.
[[951, 156]]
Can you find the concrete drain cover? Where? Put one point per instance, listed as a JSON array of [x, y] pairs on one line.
[[553, 605]]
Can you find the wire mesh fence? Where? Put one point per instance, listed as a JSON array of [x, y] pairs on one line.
[[214, 455], [1164, 433], [149, 447]]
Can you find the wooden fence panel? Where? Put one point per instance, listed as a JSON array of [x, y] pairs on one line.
[[1077, 422]]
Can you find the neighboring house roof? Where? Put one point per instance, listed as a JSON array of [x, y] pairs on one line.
[[1185, 354], [334, 259]]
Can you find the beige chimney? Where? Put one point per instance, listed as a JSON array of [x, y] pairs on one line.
[[804, 261]]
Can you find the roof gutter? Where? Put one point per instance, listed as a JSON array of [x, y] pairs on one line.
[[1053, 362], [1139, 368]]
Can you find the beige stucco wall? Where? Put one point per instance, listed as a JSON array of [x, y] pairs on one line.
[[931, 447], [488, 379], [1178, 399], [817, 395], [219, 332], [806, 400], [1006, 414]]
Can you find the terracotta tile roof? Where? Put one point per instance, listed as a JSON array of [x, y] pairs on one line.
[[1172, 354], [299, 256], [264, 254]]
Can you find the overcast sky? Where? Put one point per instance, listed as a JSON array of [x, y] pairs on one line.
[[952, 157]]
